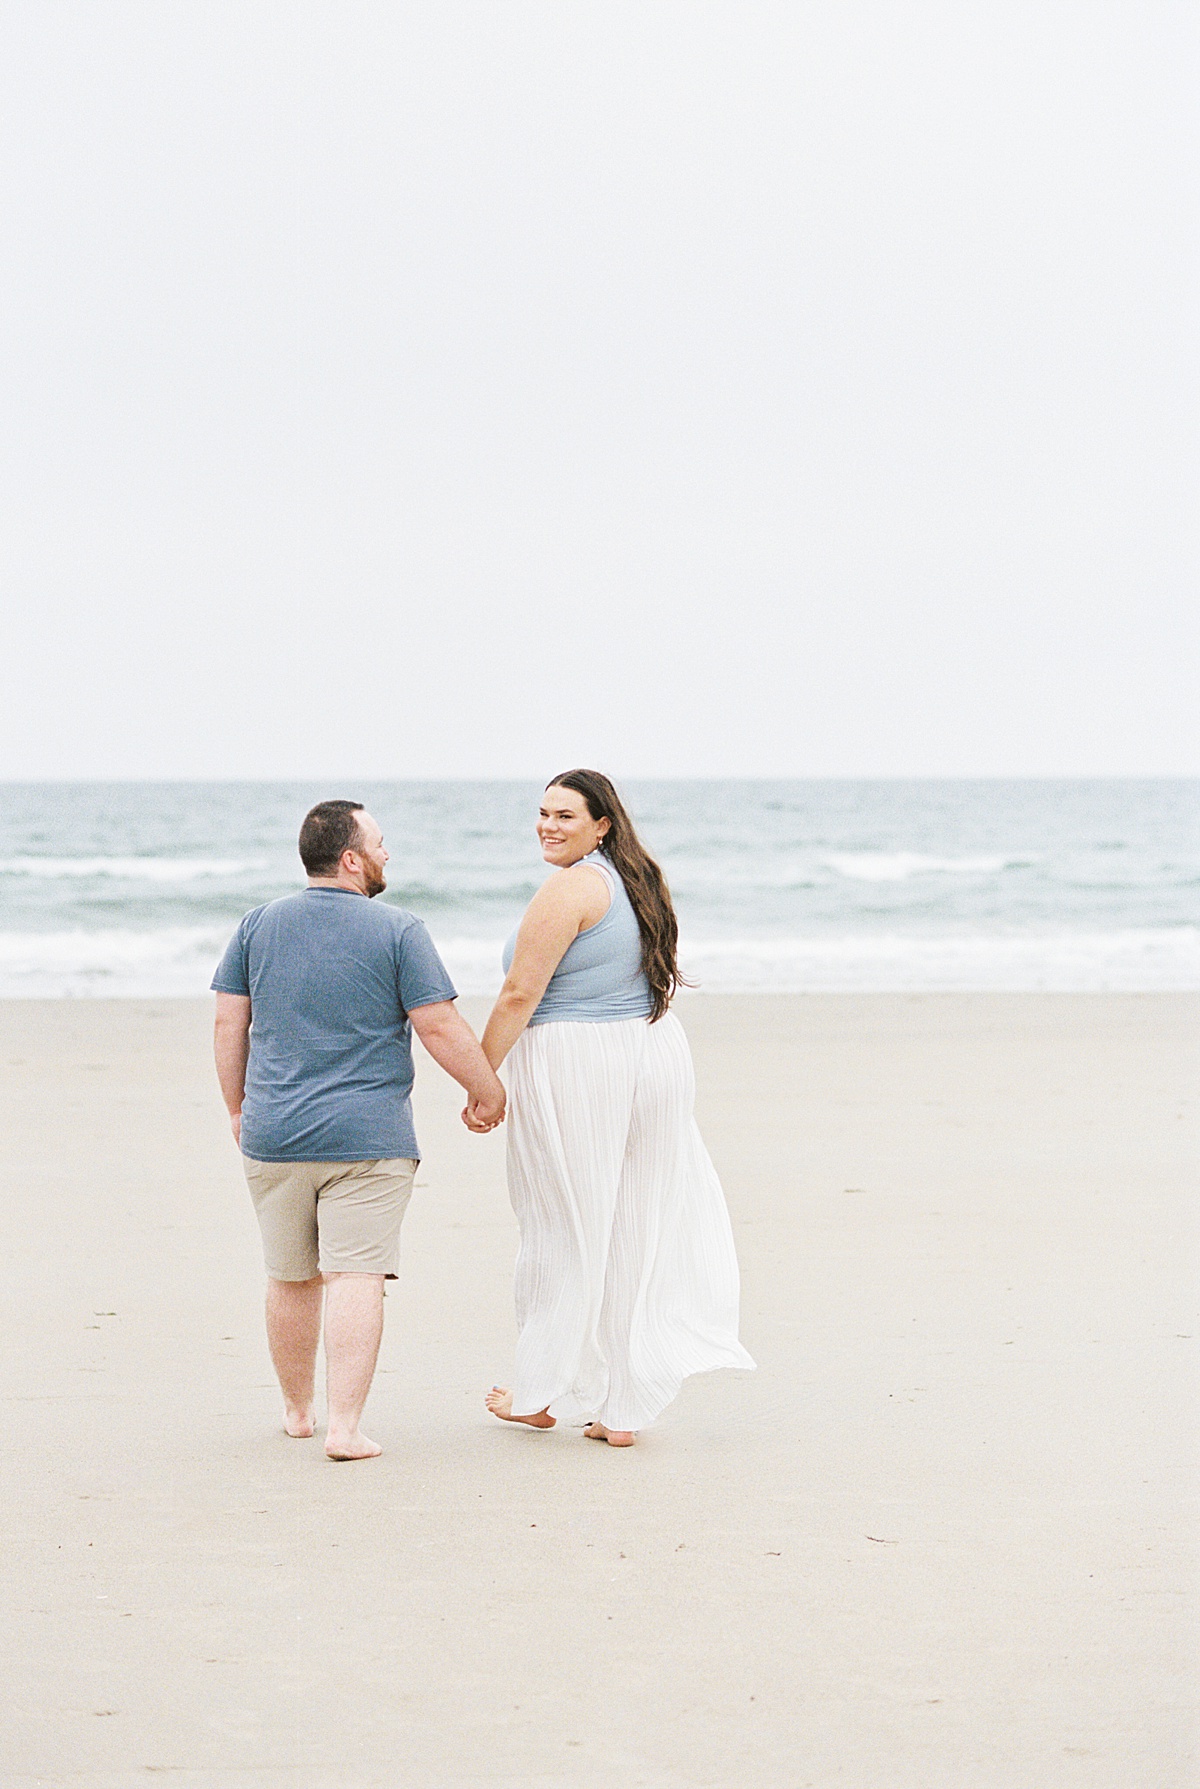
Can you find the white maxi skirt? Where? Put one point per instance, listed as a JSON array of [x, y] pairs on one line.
[[627, 1277]]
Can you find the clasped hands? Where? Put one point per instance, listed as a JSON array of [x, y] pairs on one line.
[[482, 1116]]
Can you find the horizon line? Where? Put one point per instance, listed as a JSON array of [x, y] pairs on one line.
[[375, 778]]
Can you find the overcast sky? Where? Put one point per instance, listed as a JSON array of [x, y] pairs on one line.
[[686, 388]]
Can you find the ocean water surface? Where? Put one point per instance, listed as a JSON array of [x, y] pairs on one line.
[[133, 888]]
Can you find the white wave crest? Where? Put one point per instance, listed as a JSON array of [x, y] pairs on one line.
[[1132, 961], [900, 866], [173, 961], [128, 869]]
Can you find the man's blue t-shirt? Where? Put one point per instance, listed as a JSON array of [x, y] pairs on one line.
[[332, 977]]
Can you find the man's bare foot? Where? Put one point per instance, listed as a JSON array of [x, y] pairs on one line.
[[614, 1437], [499, 1402], [299, 1424], [351, 1447]]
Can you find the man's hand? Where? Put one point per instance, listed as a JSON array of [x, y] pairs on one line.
[[235, 1124], [482, 1116]]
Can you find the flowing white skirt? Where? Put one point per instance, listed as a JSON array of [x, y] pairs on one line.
[[627, 1277]]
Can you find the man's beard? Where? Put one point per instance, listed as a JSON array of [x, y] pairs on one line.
[[375, 880]]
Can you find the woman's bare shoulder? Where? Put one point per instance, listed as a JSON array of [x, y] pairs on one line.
[[581, 890]]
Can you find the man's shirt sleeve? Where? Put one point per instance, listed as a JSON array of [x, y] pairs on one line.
[[421, 978], [232, 976]]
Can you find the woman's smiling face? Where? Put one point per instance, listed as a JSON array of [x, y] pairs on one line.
[[565, 828]]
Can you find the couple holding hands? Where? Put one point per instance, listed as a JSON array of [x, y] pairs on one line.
[[626, 1275]]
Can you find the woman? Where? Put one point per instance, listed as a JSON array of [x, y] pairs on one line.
[[626, 1277]]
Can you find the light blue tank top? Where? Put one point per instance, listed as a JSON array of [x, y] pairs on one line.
[[600, 977]]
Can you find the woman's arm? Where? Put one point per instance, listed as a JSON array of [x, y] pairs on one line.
[[569, 903]]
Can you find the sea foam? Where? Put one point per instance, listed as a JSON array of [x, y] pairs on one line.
[[177, 961]]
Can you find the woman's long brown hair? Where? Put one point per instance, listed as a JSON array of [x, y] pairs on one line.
[[644, 882]]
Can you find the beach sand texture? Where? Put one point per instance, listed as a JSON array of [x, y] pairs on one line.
[[937, 1541]]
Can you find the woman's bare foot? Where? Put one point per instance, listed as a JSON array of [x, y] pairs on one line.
[[499, 1402], [351, 1447], [614, 1437], [299, 1424]]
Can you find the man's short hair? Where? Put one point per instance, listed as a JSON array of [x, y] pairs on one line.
[[329, 829]]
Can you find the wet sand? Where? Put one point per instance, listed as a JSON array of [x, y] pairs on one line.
[[938, 1540]]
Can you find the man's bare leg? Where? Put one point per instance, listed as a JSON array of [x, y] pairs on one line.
[[353, 1328], [293, 1331]]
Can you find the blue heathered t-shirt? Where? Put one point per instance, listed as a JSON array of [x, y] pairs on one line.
[[332, 977]]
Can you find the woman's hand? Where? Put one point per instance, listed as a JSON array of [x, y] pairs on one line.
[[482, 1116]]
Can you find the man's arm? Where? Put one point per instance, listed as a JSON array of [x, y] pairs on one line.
[[231, 1047], [455, 1047]]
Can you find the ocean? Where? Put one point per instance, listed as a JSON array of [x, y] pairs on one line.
[[124, 889]]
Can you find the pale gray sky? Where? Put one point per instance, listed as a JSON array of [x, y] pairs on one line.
[[688, 388]]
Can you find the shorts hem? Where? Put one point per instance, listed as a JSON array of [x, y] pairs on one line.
[[387, 1273]]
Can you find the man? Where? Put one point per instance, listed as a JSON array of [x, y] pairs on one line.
[[317, 997]]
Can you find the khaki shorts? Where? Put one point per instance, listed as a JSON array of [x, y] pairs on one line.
[[330, 1217]]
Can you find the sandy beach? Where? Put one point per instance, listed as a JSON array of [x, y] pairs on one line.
[[938, 1541]]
